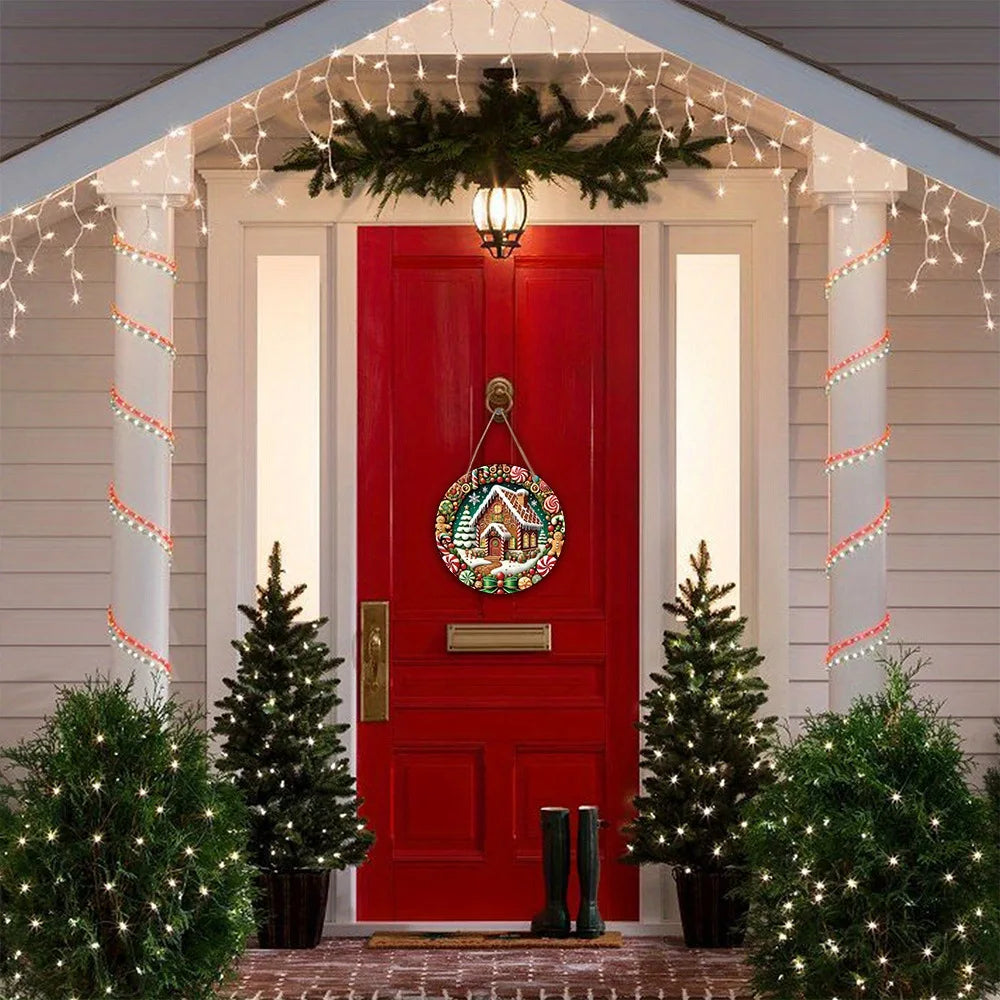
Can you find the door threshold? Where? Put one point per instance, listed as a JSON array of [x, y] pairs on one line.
[[629, 928]]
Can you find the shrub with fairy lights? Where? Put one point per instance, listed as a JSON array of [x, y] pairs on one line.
[[874, 869], [122, 857], [279, 746], [705, 751]]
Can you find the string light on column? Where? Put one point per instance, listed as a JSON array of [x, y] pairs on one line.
[[859, 644], [854, 455], [134, 520], [149, 258], [858, 361], [132, 326], [159, 428], [137, 418], [862, 536], [864, 642], [133, 647], [870, 256]]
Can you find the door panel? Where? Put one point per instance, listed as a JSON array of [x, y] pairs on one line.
[[475, 744]]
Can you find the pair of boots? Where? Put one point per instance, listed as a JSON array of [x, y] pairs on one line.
[[553, 920]]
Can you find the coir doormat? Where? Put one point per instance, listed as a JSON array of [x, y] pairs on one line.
[[489, 940]]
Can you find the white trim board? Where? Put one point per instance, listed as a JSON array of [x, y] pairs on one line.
[[751, 212], [217, 82]]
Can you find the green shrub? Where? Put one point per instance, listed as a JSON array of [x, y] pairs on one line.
[[874, 871], [991, 782], [122, 858]]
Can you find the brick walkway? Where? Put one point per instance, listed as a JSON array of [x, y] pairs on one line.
[[651, 968]]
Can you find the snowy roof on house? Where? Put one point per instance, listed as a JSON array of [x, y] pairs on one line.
[[522, 512], [753, 61]]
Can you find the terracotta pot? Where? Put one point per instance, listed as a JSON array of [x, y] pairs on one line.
[[292, 908], [710, 915]]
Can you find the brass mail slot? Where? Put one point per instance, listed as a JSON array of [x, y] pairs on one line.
[[473, 637]]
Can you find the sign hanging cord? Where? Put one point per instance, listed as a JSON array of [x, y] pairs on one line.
[[499, 414]]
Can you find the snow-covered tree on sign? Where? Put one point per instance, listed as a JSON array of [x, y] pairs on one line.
[[465, 533]]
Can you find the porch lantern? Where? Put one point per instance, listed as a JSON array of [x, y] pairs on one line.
[[500, 215]]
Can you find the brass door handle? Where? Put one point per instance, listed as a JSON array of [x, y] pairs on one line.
[[374, 666], [373, 654]]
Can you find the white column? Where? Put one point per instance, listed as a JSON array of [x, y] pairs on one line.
[[855, 184], [857, 490], [144, 190]]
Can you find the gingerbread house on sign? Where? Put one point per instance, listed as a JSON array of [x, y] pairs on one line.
[[505, 522]]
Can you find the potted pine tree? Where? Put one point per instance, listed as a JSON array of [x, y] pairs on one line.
[[285, 755], [705, 754]]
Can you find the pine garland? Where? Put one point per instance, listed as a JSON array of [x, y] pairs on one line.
[[512, 140]]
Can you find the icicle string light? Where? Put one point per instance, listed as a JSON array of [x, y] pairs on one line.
[[138, 523], [871, 255], [130, 325], [857, 645], [858, 361], [713, 100], [132, 646], [147, 257], [861, 537], [853, 455], [980, 227], [133, 415]]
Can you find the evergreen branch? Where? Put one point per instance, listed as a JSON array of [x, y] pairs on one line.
[[431, 151]]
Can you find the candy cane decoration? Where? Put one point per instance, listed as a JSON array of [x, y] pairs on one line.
[[158, 427], [852, 647]]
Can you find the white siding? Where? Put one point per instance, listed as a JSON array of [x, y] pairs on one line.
[[944, 477], [55, 463]]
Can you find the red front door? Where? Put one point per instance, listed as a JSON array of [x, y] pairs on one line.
[[476, 743]]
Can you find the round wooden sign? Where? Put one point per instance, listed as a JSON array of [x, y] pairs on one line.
[[500, 529]]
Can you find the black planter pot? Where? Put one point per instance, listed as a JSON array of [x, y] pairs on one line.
[[710, 915], [292, 908]]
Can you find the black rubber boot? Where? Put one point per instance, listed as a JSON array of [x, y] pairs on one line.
[[588, 865], [553, 921]]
